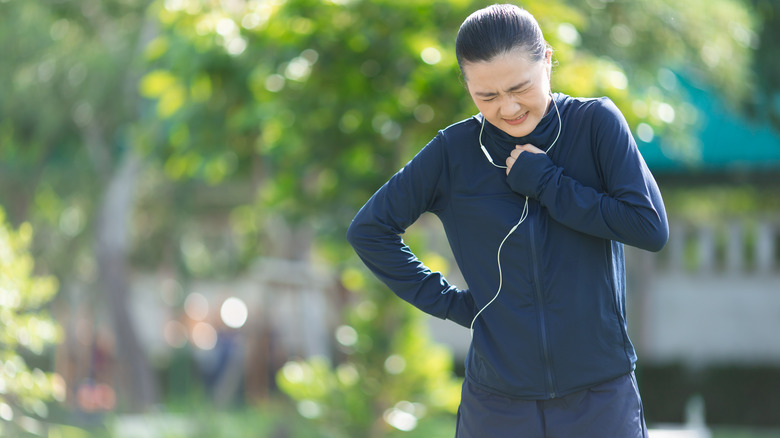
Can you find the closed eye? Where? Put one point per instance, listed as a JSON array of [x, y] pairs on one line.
[[521, 91]]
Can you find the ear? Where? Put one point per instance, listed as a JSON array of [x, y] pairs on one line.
[[548, 60]]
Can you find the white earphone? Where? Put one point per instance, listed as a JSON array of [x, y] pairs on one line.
[[487, 154], [523, 215]]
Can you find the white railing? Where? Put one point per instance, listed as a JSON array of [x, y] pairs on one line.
[[739, 245]]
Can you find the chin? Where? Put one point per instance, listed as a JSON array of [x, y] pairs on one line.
[[517, 131]]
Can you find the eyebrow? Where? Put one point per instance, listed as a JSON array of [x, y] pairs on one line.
[[511, 89]]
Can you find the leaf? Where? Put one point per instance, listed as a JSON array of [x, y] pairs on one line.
[[155, 83]]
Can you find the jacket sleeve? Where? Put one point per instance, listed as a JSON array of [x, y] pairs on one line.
[[375, 235], [629, 209]]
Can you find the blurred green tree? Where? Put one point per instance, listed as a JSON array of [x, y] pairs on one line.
[[766, 62], [390, 375], [28, 329], [68, 106], [327, 98]]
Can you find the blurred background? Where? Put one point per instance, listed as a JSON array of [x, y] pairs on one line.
[[177, 176]]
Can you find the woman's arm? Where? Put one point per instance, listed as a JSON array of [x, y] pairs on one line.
[[630, 210], [375, 235]]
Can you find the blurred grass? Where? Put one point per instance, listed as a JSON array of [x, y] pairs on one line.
[[275, 423], [192, 420], [196, 418], [728, 432]]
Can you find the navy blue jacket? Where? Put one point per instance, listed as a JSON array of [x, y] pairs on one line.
[[559, 323]]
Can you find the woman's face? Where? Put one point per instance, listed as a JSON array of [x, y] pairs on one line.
[[510, 91]]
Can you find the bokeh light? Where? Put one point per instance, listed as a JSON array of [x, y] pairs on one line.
[[404, 415], [234, 312], [196, 306], [431, 55], [204, 336], [175, 334], [309, 409], [346, 336], [395, 364]]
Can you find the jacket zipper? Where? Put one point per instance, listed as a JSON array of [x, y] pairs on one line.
[[540, 309]]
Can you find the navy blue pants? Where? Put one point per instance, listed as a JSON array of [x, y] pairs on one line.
[[610, 410]]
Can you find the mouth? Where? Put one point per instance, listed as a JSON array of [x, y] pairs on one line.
[[518, 120]]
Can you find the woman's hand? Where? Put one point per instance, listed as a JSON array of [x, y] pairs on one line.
[[510, 160]]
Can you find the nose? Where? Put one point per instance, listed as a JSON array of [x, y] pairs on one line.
[[509, 107]]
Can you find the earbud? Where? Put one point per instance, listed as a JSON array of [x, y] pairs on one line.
[[484, 149], [487, 154]]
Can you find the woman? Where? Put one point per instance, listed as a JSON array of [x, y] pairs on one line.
[[537, 195]]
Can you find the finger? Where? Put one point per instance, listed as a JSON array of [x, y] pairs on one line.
[[531, 148], [510, 161]]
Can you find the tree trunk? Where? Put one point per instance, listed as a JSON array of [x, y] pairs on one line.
[[136, 380]]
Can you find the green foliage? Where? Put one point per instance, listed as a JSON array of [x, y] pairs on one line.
[[322, 95], [766, 62], [390, 374], [64, 113], [27, 329], [327, 98], [713, 203], [638, 48]]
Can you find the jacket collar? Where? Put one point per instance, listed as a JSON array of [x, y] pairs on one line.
[[542, 136]]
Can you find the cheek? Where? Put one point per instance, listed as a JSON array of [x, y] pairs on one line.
[[483, 107], [542, 100]]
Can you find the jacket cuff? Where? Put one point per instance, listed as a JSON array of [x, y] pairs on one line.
[[530, 174], [462, 308]]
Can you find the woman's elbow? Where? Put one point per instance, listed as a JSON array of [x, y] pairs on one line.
[[353, 235], [657, 237]]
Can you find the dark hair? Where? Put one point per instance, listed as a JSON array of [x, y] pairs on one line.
[[496, 30]]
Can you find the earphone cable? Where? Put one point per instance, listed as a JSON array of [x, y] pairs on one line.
[[523, 215], [487, 154], [498, 261]]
